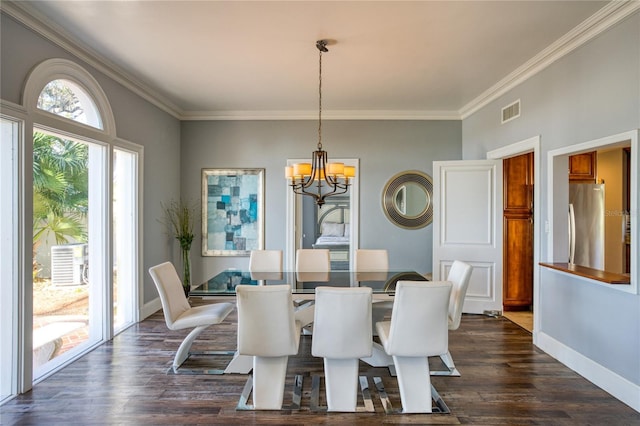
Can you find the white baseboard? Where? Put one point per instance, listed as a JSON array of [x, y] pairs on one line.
[[611, 382], [150, 308]]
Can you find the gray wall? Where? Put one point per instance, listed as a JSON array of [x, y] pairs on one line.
[[137, 121], [592, 93], [383, 147]]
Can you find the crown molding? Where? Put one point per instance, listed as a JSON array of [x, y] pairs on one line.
[[609, 15], [605, 18], [313, 115], [24, 13]]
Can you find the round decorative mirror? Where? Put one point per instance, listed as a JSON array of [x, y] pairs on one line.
[[407, 199]]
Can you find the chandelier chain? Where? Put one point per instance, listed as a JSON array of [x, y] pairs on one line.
[[320, 102]]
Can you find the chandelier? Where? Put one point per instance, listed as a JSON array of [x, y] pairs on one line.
[[319, 178]]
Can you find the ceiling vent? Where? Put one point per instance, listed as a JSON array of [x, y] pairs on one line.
[[511, 112]]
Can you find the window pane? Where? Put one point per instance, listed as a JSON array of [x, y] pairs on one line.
[[67, 211], [124, 238], [67, 99]]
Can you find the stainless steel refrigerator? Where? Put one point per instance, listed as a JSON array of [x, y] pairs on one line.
[[586, 225]]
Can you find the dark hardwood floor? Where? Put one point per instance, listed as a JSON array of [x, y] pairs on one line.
[[505, 380]]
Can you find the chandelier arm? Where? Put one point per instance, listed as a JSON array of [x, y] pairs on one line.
[[300, 190], [333, 180], [309, 183], [335, 192], [342, 185], [343, 191], [319, 196]]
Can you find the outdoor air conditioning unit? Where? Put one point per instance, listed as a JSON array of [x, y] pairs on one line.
[[69, 264]]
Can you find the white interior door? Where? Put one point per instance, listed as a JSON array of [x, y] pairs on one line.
[[467, 226]]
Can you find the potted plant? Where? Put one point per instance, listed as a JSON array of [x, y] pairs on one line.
[[180, 218]]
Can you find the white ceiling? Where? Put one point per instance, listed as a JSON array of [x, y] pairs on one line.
[[248, 59]]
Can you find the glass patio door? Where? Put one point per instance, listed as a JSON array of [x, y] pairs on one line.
[[9, 135], [125, 241], [69, 248]]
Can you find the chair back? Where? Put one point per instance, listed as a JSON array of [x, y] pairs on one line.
[[419, 319], [266, 323], [312, 260], [371, 260], [342, 323], [174, 302], [316, 277], [459, 276], [265, 261]]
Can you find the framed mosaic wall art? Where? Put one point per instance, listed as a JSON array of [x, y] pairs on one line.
[[232, 211]]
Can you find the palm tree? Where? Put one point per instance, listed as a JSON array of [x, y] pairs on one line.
[[60, 190]]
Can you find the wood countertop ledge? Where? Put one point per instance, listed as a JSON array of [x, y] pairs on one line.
[[594, 274]]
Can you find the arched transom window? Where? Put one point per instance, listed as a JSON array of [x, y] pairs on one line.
[[67, 99]]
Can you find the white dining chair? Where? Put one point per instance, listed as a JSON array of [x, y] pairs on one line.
[[459, 276], [371, 260], [374, 260], [265, 261], [312, 265], [313, 260], [268, 331], [178, 315], [265, 265], [342, 335], [418, 329]]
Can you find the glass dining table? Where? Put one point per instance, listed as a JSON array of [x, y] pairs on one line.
[[303, 285]]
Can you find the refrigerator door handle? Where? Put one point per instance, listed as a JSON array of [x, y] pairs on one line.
[[625, 224], [572, 235]]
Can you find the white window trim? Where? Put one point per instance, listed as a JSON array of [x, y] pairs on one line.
[[124, 145], [63, 69], [12, 273], [556, 212]]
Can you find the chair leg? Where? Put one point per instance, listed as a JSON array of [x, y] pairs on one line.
[[341, 382], [304, 313], [451, 370], [268, 382], [240, 364], [183, 351], [377, 314], [379, 357], [414, 383]]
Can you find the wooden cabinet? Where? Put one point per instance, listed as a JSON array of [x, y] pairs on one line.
[[518, 263], [518, 184], [583, 167], [518, 233]]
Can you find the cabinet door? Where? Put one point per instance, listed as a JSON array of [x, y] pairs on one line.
[[518, 184], [582, 167], [518, 232], [518, 261]]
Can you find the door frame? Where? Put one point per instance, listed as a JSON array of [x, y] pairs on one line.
[[531, 144]]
